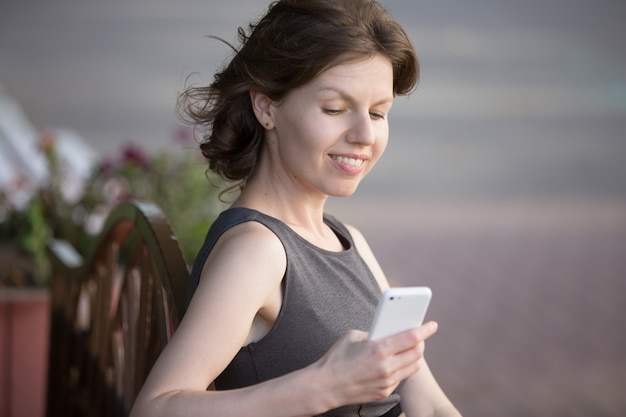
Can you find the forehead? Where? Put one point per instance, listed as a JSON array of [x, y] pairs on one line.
[[374, 75]]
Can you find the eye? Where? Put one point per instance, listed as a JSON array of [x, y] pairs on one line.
[[333, 111], [377, 116]]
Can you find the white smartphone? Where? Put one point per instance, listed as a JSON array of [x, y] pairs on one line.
[[400, 309]]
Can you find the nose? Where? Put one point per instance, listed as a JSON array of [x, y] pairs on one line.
[[361, 130]]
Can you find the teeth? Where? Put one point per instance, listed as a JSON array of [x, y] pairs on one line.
[[349, 161]]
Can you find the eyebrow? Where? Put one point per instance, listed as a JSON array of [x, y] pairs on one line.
[[348, 97]]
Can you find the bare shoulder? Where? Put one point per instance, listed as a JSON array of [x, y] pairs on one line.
[[245, 267], [246, 251], [359, 239], [356, 233], [241, 277], [368, 256]]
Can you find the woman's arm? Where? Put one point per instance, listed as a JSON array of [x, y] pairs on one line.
[[240, 280], [421, 394], [240, 283]]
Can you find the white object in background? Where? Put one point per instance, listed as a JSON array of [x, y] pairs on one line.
[[23, 167]]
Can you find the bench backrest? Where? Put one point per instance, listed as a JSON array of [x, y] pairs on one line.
[[113, 312]]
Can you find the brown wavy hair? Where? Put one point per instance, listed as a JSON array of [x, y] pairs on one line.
[[291, 45]]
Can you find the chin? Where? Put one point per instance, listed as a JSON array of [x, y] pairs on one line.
[[343, 192], [343, 188]]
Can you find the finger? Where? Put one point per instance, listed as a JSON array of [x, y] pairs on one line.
[[402, 365], [357, 335], [409, 339]]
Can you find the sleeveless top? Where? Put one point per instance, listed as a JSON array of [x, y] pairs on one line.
[[325, 293]]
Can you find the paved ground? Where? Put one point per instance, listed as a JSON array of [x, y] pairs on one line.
[[531, 301]]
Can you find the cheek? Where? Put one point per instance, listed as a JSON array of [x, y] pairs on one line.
[[381, 142], [378, 149]]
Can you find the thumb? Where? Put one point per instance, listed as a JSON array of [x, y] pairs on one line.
[[427, 329]]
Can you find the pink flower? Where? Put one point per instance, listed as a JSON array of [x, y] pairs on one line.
[[133, 154], [47, 141], [183, 135]]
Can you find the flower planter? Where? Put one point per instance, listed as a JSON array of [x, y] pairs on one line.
[[24, 330]]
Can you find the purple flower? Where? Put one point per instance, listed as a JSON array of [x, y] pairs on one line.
[[106, 168]]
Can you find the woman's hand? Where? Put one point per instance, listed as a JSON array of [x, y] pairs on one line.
[[361, 370]]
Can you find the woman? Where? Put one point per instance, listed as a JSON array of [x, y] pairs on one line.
[[281, 294]]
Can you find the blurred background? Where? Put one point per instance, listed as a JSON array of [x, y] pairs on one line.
[[503, 186]]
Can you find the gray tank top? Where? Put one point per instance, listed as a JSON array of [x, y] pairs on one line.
[[324, 294]]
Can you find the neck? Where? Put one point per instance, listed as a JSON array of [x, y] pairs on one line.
[[303, 213], [294, 209]]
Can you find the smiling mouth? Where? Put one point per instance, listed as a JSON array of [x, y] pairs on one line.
[[353, 162]]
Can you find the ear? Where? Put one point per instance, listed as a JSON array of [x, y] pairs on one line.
[[262, 107]]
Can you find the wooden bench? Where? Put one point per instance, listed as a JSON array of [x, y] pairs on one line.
[[113, 312]]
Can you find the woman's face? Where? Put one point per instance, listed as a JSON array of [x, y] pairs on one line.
[[329, 133]]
